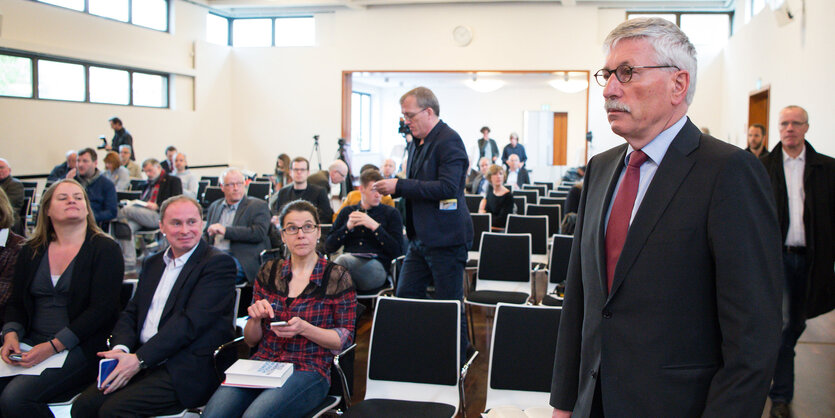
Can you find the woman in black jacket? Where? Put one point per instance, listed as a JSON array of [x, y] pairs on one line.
[[65, 297]]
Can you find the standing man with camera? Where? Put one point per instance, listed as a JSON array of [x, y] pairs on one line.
[[438, 223], [121, 136]]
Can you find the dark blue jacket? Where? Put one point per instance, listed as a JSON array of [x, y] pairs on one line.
[[437, 172], [102, 195]]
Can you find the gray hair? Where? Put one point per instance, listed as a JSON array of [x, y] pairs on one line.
[[796, 107], [227, 172], [70, 152], [340, 166], [425, 98], [671, 45], [124, 146]]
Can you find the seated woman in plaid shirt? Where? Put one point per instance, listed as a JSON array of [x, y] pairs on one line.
[[318, 301]]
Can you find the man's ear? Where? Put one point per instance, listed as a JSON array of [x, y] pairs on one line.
[[681, 82]]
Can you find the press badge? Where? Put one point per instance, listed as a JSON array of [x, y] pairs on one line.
[[448, 204]]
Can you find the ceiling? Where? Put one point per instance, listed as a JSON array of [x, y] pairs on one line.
[[241, 8]]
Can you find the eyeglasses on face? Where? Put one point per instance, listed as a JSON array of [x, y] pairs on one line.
[[623, 73], [410, 116], [306, 228]]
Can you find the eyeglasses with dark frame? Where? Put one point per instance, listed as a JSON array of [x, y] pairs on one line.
[[623, 73], [411, 116], [306, 228]]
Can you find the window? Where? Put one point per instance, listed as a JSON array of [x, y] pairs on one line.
[[755, 7], [217, 29], [15, 76], [702, 28], [252, 32], [150, 90], [109, 86], [361, 120], [151, 14], [295, 31], [61, 81], [69, 4]]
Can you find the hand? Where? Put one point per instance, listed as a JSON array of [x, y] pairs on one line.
[[216, 229], [386, 186], [36, 355], [108, 147], [260, 309], [152, 206], [275, 222], [361, 218], [558, 413], [71, 173], [10, 345], [295, 326], [125, 370]]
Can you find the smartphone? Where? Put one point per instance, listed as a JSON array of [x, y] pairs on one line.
[[106, 365], [278, 323], [16, 357]]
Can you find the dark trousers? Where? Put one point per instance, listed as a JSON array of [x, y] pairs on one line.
[[794, 322], [27, 395], [150, 392], [441, 266]]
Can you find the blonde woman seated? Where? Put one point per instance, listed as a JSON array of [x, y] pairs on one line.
[[317, 300], [499, 199], [65, 296]]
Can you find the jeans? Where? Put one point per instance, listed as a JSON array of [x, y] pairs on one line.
[[300, 394], [367, 273], [441, 266], [794, 322]]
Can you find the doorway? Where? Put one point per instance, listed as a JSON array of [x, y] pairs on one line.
[[758, 105], [560, 142]]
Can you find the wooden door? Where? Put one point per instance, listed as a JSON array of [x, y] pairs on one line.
[[560, 138], [758, 111]]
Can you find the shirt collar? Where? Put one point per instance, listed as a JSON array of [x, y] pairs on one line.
[[800, 157], [657, 148], [179, 261], [233, 207], [4, 236]]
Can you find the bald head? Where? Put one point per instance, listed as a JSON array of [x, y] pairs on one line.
[[338, 170]]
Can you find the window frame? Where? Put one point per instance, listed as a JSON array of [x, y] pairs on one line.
[[130, 14], [231, 23], [35, 57], [678, 15], [370, 112]]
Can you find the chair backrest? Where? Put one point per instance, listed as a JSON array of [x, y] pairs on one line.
[[553, 212], [137, 184], [519, 203], [537, 226], [212, 193], [128, 195], [24, 209], [548, 185], [558, 193], [504, 262], [564, 187], [530, 195], [481, 224], [29, 184], [213, 180], [396, 267], [128, 289], [558, 262], [522, 356], [473, 201], [414, 351], [201, 189], [260, 190], [549, 201], [29, 192], [539, 188]]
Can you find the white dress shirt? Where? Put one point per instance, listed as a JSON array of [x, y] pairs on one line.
[[793, 168]]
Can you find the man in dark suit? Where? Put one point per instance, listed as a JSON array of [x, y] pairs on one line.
[[238, 225], [164, 339], [159, 187], [121, 136], [803, 182], [438, 223], [517, 175], [335, 176], [168, 163], [672, 305], [301, 189], [479, 183]]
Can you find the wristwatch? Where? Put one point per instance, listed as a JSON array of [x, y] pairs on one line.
[[142, 364]]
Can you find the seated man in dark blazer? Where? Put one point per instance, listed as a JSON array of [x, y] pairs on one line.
[[238, 225], [517, 175], [164, 339], [301, 189]]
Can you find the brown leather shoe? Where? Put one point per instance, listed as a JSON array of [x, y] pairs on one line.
[[780, 410]]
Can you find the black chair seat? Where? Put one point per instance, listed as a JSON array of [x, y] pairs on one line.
[[401, 409], [327, 404], [373, 292], [472, 263], [551, 300], [493, 297]]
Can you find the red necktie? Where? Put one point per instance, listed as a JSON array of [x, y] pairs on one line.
[[618, 224]]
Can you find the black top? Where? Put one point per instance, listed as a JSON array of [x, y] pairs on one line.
[[386, 241], [50, 318], [123, 137], [499, 206], [313, 194]]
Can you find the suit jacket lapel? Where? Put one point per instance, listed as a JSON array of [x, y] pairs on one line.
[[239, 211], [668, 178], [604, 186], [192, 262], [154, 275]]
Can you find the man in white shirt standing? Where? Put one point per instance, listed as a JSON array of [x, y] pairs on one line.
[[803, 182], [180, 313]]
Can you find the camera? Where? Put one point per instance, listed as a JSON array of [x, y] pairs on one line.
[[404, 129], [103, 144]]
